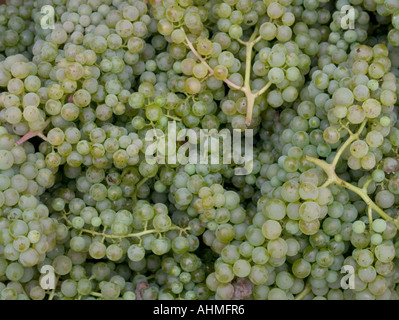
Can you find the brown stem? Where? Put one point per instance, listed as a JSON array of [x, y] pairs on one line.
[[31, 134]]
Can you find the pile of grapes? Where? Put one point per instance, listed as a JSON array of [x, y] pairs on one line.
[[86, 214]]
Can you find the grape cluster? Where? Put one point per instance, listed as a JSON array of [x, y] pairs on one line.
[[17, 28], [80, 197]]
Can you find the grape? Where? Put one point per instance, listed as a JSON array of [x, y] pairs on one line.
[[358, 226], [384, 199], [275, 209], [384, 252], [271, 229], [379, 225], [309, 211], [241, 268], [372, 108], [6, 159], [359, 149]]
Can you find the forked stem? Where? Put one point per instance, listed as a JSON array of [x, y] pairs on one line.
[[246, 88], [31, 134], [352, 137], [332, 177]]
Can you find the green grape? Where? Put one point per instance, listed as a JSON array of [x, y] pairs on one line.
[[162, 222], [358, 227], [384, 199], [258, 274], [359, 149], [379, 225], [241, 268], [260, 255], [384, 252], [271, 229], [97, 250], [309, 211], [275, 209], [225, 233], [372, 108], [376, 239]]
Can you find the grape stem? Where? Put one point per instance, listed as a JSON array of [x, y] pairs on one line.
[[52, 293], [172, 117], [32, 134], [130, 235], [200, 58], [96, 294], [304, 292], [352, 137], [246, 88], [332, 177], [138, 186], [370, 214]]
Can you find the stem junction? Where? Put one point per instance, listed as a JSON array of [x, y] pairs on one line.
[[332, 177], [246, 88]]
